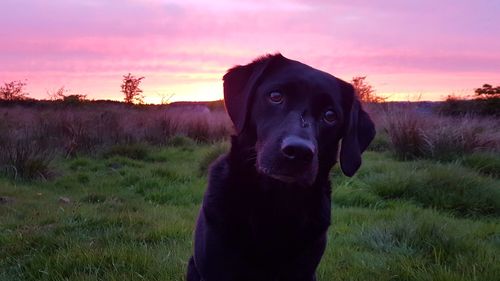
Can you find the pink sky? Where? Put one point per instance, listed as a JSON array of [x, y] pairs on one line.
[[408, 49]]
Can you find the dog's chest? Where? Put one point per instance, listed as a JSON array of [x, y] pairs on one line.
[[275, 227], [281, 222]]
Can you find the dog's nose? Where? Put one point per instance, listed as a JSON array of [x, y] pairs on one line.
[[295, 148]]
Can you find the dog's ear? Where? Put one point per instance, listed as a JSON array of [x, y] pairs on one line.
[[240, 82], [359, 131]]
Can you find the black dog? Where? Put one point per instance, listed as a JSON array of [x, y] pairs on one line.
[[266, 211]]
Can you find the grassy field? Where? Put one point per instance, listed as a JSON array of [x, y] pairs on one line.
[[129, 213], [107, 191]]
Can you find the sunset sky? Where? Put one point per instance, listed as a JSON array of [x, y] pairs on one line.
[[424, 49]]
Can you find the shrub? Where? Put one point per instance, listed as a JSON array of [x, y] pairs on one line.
[[416, 134], [404, 129], [449, 139], [489, 106], [131, 90], [26, 157], [457, 106], [79, 135], [206, 126], [12, 91], [198, 129], [159, 131], [365, 91], [74, 99], [86, 128]]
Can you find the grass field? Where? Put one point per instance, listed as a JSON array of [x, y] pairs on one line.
[[129, 213], [107, 191]]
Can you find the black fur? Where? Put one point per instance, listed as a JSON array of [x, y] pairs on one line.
[[266, 210]]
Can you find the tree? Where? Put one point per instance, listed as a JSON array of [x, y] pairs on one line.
[[488, 91], [365, 91], [13, 91], [130, 88]]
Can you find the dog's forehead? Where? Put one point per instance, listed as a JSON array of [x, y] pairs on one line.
[[296, 73]]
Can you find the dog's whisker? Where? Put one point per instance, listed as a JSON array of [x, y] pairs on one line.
[[251, 159]]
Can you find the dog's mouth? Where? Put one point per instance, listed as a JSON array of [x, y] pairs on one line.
[[280, 177], [286, 178], [273, 163]]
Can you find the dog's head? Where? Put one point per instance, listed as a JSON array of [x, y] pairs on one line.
[[297, 116]]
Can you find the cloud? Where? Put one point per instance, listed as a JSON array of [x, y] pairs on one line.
[[72, 38]]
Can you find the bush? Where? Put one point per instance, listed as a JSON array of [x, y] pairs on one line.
[[490, 106], [404, 129], [416, 134], [84, 129], [206, 126], [159, 131], [13, 91], [26, 157], [79, 135], [459, 107], [449, 139], [199, 130]]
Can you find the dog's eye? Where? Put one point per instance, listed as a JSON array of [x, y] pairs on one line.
[[330, 117], [276, 97]]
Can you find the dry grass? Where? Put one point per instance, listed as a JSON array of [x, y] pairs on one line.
[[83, 129], [26, 155], [30, 136], [86, 129], [415, 133]]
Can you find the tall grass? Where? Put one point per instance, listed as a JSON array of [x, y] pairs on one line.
[[415, 134], [87, 129], [82, 129], [405, 131], [23, 154], [30, 136]]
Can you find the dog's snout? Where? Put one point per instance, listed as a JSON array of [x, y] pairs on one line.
[[295, 148]]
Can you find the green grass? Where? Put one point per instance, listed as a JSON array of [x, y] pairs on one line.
[[132, 213], [483, 162]]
